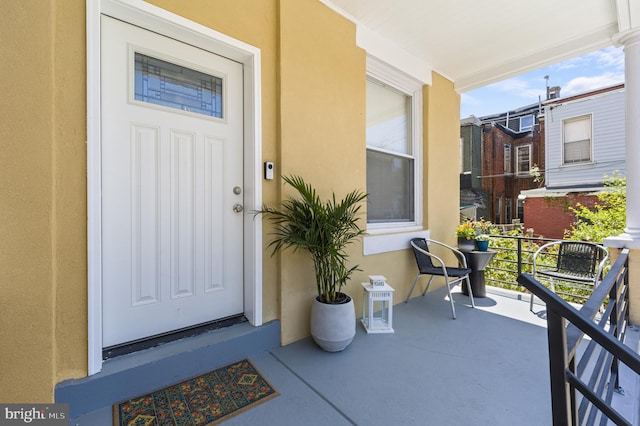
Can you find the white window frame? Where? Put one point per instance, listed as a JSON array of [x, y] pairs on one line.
[[519, 172], [529, 127], [571, 119], [380, 239]]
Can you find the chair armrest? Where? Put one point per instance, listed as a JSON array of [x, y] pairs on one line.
[[459, 255], [602, 264], [542, 250]]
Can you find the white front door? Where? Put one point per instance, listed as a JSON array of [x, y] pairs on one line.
[[172, 184]]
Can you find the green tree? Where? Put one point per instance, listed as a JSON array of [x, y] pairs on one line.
[[607, 217]]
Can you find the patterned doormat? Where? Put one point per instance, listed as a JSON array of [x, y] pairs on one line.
[[204, 400]]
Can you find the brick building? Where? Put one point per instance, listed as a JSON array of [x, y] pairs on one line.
[[548, 214], [509, 154]]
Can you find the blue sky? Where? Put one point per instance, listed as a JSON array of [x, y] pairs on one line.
[[588, 72]]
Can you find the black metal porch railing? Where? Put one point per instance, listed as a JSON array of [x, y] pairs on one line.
[[584, 377], [515, 256]]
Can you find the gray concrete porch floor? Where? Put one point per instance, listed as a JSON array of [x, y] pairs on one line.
[[488, 367]]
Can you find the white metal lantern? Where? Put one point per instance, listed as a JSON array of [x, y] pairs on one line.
[[377, 308]]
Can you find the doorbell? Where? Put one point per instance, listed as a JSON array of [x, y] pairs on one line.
[[268, 170]]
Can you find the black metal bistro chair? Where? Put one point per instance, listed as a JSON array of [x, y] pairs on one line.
[[576, 262], [430, 264]]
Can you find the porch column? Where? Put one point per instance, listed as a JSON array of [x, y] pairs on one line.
[[632, 128], [631, 238]]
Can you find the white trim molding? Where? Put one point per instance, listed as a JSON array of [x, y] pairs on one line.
[[375, 244], [145, 15], [390, 53], [411, 86], [385, 50]]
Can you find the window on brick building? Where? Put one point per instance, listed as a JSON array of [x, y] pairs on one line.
[[576, 145], [507, 159], [523, 160], [520, 209]]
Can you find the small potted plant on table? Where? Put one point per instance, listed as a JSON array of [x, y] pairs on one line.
[[482, 242], [466, 234]]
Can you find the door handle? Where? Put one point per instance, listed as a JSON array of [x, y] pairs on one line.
[[237, 208]]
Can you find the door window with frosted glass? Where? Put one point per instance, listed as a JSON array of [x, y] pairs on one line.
[[174, 86], [390, 157]]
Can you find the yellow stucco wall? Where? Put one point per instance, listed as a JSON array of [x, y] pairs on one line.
[[442, 156], [26, 203], [322, 100], [313, 100], [43, 192], [69, 190]]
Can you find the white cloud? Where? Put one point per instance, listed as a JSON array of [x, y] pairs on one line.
[[585, 84], [608, 58], [611, 58], [569, 64], [520, 88]]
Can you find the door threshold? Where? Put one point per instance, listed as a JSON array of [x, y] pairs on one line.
[[160, 339], [139, 373]]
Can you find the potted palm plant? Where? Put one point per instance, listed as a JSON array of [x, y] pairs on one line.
[[323, 229]]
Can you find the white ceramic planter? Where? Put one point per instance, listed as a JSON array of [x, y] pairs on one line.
[[333, 326]]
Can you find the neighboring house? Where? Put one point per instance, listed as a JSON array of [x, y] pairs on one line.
[[502, 149], [585, 142], [473, 200]]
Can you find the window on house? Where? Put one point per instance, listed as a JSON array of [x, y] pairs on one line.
[[391, 155], [526, 123], [520, 209], [577, 140], [523, 160], [507, 210], [507, 159], [462, 159]]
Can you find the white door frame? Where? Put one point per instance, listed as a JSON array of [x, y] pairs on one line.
[[150, 17]]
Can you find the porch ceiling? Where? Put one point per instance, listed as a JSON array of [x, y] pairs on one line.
[[475, 43]]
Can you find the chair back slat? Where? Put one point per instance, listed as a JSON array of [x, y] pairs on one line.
[[424, 261], [580, 259]]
